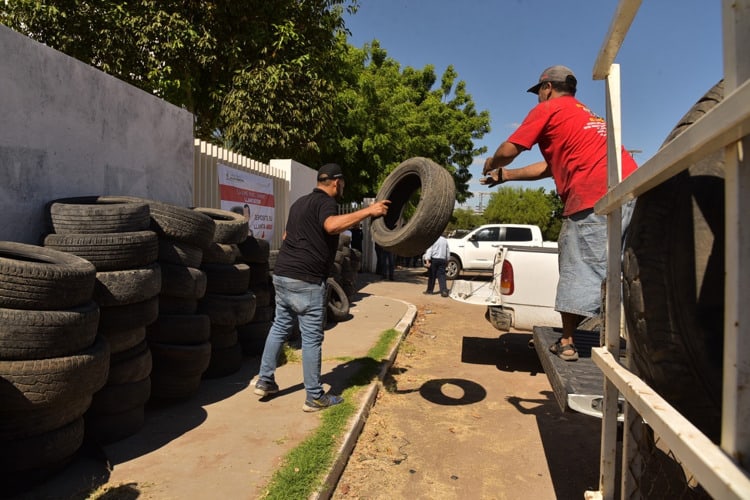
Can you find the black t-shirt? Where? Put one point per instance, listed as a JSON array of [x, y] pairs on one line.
[[308, 251]]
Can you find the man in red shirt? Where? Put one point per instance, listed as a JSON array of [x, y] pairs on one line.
[[573, 142]]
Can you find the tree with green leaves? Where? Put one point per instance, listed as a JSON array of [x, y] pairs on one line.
[[516, 205], [271, 80], [256, 74], [384, 114], [464, 218]]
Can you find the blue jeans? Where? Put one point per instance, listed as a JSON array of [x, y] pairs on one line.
[[437, 271], [582, 259], [304, 302]]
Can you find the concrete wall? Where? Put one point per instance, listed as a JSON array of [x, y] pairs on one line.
[[67, 129]]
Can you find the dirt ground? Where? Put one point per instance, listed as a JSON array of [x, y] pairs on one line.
[[468, 413]]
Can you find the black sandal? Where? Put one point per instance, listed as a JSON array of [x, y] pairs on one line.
[[567, 352]]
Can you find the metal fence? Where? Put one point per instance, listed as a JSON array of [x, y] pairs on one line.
[[206, 181]]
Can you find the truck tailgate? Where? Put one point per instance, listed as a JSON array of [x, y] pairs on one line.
[[578, 385]]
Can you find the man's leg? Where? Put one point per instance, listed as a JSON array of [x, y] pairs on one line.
[[311, 330], [431, 277], [569, 324], [282, 325], [440, 272]]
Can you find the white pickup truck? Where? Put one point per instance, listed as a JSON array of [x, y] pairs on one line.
[[524, 288], [476, 250]]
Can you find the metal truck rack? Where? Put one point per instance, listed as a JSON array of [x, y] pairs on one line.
[[720, 470]]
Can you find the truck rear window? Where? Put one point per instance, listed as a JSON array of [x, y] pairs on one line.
[[517, 234]]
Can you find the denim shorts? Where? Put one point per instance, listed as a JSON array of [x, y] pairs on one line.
[[582, 260]]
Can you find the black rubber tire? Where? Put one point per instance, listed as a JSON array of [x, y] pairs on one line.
[[33, 277], [123, 340], [39, 451], [181, 281], [168, 387], [262, 294], [93, 215], [117, 398], [129, 316], [180, 359], [264, 313], [127, 286], [130, 365], [338, 302], [453, 268], [180, 253], [231, 228], [224, 361], [110, 428], [48, 382], [187, 329], [44, 418], [31, 334], [109, 251], [674, 284], [437, 191], [175, 222], [252, 337], [225, 309], [177, 305], [227, 279], [220, 253], [259, 275], [254, 250], [222, 336]]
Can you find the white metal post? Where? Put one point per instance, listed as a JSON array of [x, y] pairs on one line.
[[735, 433]]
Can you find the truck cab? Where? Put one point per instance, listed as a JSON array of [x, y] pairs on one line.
[[476, 250]]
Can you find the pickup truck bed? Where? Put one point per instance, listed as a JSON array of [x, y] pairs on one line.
[[578, 385]]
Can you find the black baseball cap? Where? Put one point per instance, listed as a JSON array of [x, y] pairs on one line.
[[330, 171]]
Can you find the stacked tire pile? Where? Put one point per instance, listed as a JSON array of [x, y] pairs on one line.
[[342, 284], [51, 360], [252, 334], [179, 338], [115, 237], [228, 301]]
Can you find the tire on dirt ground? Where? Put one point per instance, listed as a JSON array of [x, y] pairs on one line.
[[224, 361], [437, 196], [34, 277]]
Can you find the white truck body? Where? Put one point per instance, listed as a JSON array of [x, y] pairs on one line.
[[476, 250], [523, 289]]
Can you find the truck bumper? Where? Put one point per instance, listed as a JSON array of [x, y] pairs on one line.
[[499, 317]]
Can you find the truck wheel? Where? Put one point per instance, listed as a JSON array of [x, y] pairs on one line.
[[436, 190], [673, 270], [452, 268]]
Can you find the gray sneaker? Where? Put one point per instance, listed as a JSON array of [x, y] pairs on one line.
[[324, 401], [263, 388]]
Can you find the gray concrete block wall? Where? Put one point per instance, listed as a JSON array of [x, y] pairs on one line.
[[68, 129]]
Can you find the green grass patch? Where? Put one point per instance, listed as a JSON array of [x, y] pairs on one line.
[[305, 467]]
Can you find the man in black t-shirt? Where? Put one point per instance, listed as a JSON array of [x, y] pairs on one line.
[[302, 266]]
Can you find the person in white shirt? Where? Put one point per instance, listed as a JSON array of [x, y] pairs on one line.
[[435, 258]]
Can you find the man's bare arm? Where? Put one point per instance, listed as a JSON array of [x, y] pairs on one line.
[[337, 224]]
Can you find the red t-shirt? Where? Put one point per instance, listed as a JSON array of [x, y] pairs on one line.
[[573, 142]]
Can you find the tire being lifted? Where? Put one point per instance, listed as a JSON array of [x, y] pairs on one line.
[[673, 270], [437, 195]]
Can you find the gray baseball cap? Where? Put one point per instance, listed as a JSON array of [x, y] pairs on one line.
[[554, 74]]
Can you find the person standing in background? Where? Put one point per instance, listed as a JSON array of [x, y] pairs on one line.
[[435, 258]]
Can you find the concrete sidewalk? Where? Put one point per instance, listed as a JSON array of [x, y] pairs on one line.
[[224, 442]]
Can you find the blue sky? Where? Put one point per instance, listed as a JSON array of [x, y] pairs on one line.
[[671, 56]]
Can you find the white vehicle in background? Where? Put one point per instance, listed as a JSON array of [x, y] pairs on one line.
[[476, 250]]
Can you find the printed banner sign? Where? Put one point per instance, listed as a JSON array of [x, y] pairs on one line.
[[250, 194]]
